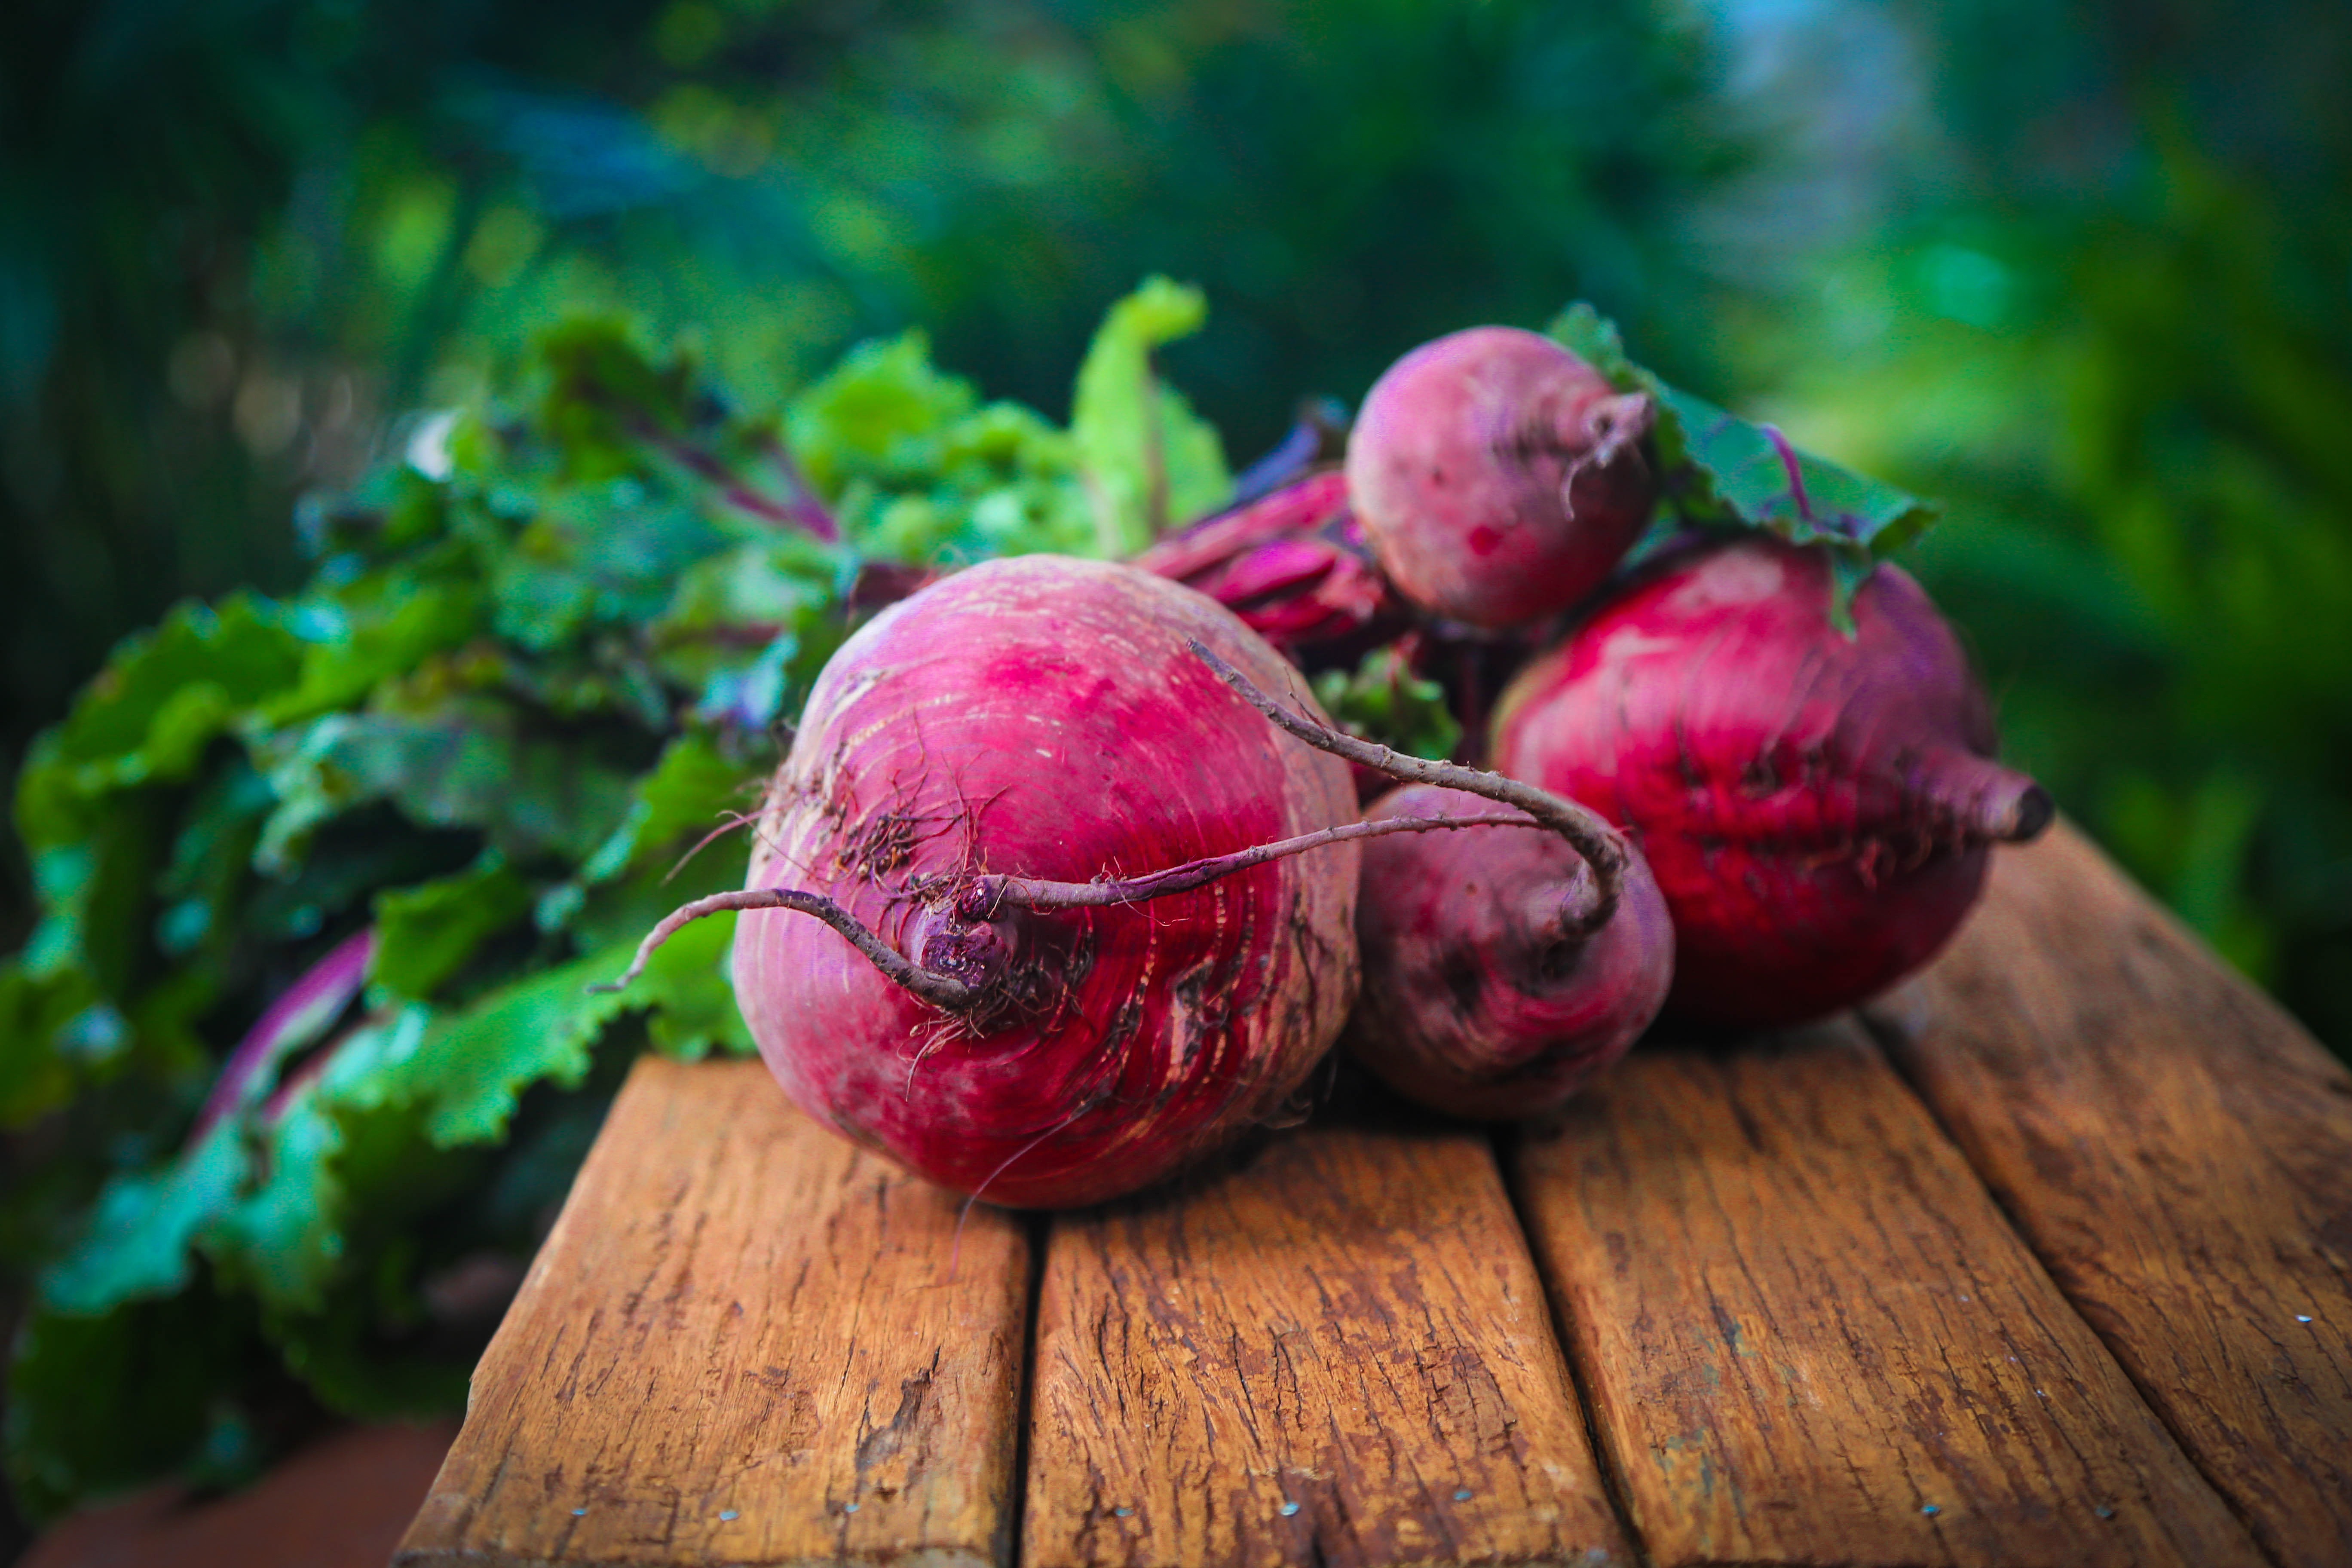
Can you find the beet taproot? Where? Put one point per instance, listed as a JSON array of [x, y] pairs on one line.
[[1816, 808], [1488, 991], [1500, 478]]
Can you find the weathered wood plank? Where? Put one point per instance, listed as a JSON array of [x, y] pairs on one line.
[[1338, 1356], [1808, 1337], [744, 1342], [2179, 1154]]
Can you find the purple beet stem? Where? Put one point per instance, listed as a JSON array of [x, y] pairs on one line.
[[299, 1016]]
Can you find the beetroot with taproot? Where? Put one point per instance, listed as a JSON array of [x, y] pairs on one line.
[[1817, 807], [1489, 991], [1080, 915], [1500, 478], [1043, 716]]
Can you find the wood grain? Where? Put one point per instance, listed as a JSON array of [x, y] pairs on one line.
[[745, 1342], [2179, 1154], [1808, 1337], [1338, 1356]]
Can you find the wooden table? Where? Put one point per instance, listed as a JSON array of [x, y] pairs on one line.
[[2046, 1259]]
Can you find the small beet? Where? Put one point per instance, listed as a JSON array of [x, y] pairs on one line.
[[1817, 808], [1499, 477], [1486, 994]]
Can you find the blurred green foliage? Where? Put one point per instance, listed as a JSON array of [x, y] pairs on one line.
[[235, 234], [2109, 324]]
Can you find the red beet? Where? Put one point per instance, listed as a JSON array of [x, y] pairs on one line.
[[1042, 716], [1498, 476], [1817, 809], [1486, 994]]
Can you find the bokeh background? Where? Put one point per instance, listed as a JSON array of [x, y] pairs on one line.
[[2082, 270]]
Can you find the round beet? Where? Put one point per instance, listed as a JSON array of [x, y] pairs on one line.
[[1816, 808], [1498, 476], [1042, 718], [1486, 994]]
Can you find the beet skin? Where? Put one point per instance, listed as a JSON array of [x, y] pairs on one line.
[[1816, 810], [1482, 996], [1500, 478], [1043, 718]]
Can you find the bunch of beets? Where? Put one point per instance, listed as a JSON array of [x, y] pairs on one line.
[[1067, 879]]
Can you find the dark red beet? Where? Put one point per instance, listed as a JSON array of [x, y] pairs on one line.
[[1817, 810], [1483, 996], [1500, 478]]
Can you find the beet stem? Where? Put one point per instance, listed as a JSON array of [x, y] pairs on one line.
[[942, 991], [989, 893], [1601, 845], [1795, 470]]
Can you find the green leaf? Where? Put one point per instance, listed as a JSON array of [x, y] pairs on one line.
[[149, 714], [141, 1239], [210, 864], [426, 933], [605, 556], [1593, 338], [877, 414], [95, 894], [728, 612], [598, 381], [465, 764], [283, 1238], [686, 794], [344, 1353], [1758, 480], [1149, 459], [1381, 699], [371, 634], [467, 1070]]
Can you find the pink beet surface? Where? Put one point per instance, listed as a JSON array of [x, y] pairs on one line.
[[1483, 997], [1042, 718], [1817, 810], [1498, 476]]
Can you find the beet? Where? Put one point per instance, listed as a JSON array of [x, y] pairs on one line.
[[1816, 808], [1500, 478], [1485, 993], [1042, 716]]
